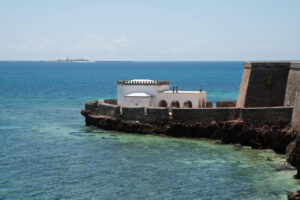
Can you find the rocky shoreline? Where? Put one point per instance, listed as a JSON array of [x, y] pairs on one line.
[[280, 138]]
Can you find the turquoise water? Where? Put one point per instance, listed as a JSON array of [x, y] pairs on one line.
[[47, 152]]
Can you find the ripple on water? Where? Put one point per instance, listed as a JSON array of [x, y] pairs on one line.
[[46, 152]]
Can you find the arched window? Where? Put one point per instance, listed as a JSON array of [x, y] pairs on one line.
[[175, 104], [187, 104], [163, 103]]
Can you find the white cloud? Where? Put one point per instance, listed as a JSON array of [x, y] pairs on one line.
[[40, 44], [93, 43], [189, 46], [264, 47], [88, 43]]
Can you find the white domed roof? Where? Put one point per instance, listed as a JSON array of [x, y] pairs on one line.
[[138, 94]]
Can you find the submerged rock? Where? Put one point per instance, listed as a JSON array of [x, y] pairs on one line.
[[294, 196], [294, 156]]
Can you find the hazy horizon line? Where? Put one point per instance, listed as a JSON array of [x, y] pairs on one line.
[[59, 60]]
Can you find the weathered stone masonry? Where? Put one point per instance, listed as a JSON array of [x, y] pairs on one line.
[[268, 84], [252, 116]]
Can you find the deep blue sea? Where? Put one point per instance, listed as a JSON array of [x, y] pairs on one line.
[[47, 152]]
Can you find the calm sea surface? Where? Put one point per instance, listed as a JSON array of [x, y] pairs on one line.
[[47, 152]]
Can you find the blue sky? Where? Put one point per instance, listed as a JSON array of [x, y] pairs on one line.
[[153, 30]]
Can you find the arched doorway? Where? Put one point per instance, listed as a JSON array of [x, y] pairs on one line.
[[175, 104], [187, 104], [163, 103]]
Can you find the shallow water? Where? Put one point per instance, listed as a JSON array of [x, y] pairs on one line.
[[47, 152]]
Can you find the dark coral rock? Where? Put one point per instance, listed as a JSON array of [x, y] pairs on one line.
[[294, 157], [294, 196]]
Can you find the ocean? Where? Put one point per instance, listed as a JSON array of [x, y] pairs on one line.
[[47, 152]]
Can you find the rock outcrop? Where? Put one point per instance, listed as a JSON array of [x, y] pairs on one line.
[[276, 137], [294, 156], [294, 196]]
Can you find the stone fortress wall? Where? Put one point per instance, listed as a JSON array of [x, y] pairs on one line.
[[142, 114], [269, 84], [265, 85], [253, 116], [266, 97]]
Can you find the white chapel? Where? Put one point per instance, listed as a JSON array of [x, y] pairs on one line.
[[150, 93]]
